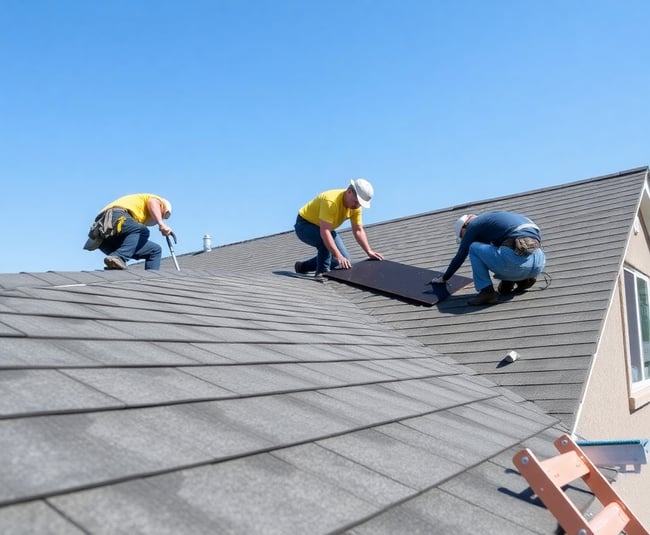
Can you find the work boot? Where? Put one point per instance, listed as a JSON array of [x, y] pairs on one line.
[[523, 285], [114, 262], [487, 296], [319, 277], [506, 287], [297, 267]]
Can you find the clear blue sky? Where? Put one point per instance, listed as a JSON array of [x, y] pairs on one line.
[[239, 111]]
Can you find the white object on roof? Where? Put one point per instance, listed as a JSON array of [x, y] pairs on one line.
[[620, 454]]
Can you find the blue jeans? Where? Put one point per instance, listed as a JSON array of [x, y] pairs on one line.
[[504, 263], [310, 234], [132, 242]]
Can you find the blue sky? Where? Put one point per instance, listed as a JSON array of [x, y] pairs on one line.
[[240, 111]]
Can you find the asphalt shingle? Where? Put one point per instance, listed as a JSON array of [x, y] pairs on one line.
[[231, 397]]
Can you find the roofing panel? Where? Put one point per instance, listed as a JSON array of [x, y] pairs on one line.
[[436, 511], [352, 477], [35, 517], [36, 391], [147, 386], [33, 353], [256, 379], [115, 352], [258, 494], [60, 327], [403, 462]]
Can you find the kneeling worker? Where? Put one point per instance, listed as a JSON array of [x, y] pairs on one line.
[[318, 219], [506, 243], [123, 230]]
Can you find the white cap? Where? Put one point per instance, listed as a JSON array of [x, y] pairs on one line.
[[459, 224], [364, 191]]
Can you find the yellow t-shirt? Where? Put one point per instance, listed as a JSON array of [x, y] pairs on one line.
[[136, 205], [328, 206]]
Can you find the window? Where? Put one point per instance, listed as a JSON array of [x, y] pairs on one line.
[[637, 291]]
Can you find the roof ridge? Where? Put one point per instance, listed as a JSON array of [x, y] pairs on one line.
[[455, 207], [526, 193]]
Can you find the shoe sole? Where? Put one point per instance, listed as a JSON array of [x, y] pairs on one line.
[[112, 263], [487, 303], [527, 286], [297, 267], [507, 290]]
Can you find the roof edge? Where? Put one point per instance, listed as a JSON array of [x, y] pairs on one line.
[[454, 207], [469, 204]]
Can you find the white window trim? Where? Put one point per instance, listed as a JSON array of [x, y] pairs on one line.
[[639, 390]]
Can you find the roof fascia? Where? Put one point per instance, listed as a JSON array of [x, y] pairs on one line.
[[643, 207]]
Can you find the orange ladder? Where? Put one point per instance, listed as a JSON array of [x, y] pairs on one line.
[[547, 478]]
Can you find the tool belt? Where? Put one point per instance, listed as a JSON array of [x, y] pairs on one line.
[[522, 246], [104, 227]]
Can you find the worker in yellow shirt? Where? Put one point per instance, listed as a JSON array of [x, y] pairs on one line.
[[121, 230], [318, 219]]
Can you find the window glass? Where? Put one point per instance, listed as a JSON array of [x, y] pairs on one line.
[[644, 321], [638, 320]]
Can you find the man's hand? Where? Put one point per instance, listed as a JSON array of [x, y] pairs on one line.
[[164, 229], [374, 255], [344, 263]]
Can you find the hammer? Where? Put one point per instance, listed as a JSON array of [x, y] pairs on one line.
[[171, 249]]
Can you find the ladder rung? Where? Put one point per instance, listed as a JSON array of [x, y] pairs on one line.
[[564, 468], [610, 521]]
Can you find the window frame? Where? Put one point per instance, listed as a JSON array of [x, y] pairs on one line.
[[634, 333]]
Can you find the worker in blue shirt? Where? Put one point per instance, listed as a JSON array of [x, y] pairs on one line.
[[507, 244]]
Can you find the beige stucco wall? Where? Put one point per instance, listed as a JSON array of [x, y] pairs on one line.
[[605, 412]]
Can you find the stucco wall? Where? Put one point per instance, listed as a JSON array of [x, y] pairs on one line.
[[606, 413]]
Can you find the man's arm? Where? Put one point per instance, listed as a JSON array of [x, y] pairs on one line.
[[457, 261], [326, 235], [154, 206], [362, 240]]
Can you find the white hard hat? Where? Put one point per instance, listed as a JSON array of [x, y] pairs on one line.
[[364, 191], [168, 209], [459, 225]]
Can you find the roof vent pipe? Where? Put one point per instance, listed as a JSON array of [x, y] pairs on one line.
[[207, 243], [511, 356]]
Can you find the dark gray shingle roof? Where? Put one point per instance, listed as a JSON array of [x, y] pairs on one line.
[[193, 402], [585, 227], [228, 398]]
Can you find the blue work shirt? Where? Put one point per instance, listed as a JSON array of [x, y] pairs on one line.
[[493, 228]]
